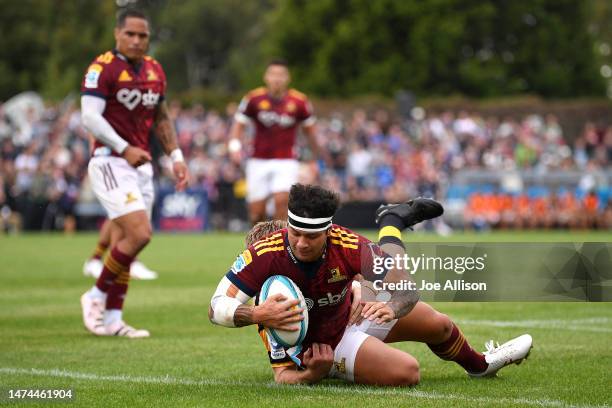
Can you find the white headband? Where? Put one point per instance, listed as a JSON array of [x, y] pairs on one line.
[[308, 224]]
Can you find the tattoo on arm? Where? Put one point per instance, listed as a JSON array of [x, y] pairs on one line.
[[402, 301], [164, 129], [243, 316]]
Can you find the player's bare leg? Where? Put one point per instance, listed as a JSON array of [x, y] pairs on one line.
[[257, 211], [377, 363], [423, 323], [281, 201]]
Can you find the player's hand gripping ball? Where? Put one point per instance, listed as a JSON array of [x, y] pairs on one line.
[[279, 284]]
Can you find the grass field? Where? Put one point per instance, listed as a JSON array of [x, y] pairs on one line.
[[190, 362]]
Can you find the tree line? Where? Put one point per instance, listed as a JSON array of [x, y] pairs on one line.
[[335, 48]]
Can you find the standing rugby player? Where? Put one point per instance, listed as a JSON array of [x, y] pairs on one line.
[[276, 113], [122, 101], [322, 259]]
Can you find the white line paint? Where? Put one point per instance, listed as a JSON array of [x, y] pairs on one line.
[[361, 390], [572, 325]]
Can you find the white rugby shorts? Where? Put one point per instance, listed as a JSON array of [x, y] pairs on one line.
[[265, 177], [346, 351], [121, 188]]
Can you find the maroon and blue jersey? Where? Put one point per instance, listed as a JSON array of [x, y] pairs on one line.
[[276, 121], [326, 283], [132, 93]]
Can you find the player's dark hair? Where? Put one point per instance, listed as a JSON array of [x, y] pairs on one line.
[[311, 201], [127, 13], [278, 61]]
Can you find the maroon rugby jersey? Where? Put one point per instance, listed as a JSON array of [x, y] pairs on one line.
[[276, 121], [326, 284], [132, 94]]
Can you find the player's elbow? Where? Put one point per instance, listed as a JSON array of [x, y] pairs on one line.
[[88, 119], [211, 314]]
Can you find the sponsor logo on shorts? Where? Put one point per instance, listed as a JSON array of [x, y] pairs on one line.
[[130, 198], [341, 365]]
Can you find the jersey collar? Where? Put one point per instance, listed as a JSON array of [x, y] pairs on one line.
[[310, 268], [122, 57]]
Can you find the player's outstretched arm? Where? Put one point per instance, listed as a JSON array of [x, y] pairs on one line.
[[318, 360], [229, 308], [164, 130]]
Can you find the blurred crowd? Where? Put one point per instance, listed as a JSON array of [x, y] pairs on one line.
[[367, 156]]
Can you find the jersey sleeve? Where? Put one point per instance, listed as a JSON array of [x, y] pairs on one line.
[[369, 260], [249, 271], [246, 110], [97, 80], [306, 113]]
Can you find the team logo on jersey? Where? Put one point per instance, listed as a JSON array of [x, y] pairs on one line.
[[290, 107], [336, 275], [124, 76], [341, 366], [130, 98], [93, 75], [242, 261], [130, 198], [151, 75], [264, 104]]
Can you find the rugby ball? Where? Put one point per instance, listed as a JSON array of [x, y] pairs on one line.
[[286, 287]]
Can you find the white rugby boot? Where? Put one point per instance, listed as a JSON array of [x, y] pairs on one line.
[[138, 270], [122, 329], [93, 313], [513, 351], [93, 267]]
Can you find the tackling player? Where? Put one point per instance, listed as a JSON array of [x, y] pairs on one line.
[[276, 112], [122, 100], [322, 259]]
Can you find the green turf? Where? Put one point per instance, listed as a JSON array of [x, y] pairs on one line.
[[190, 362]]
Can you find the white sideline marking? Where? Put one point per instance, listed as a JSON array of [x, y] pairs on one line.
[[573, 325], [167, 380]]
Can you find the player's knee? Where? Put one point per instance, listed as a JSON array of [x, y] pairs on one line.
[[411, 373], [141, 236], [406, 373], [444, 326]]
